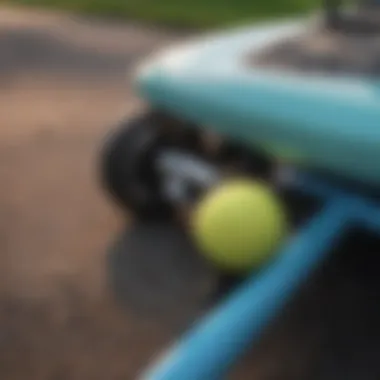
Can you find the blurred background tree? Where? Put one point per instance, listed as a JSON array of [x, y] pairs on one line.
[[183, 13]]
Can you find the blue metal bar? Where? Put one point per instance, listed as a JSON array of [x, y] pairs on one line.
[[365, 211], [367, 214], [214, 345]]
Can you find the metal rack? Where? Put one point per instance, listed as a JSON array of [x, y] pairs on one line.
[[211, 349]]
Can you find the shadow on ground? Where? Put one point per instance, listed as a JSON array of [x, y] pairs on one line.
[[38, 51]]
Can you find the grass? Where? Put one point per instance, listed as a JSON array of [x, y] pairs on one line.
[[182, 13]]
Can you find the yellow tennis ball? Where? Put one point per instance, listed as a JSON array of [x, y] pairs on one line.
[[239, 225]]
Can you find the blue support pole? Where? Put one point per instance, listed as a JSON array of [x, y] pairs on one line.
[[210, 350]]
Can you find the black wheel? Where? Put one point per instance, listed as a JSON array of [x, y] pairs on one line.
[[128, 167]]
